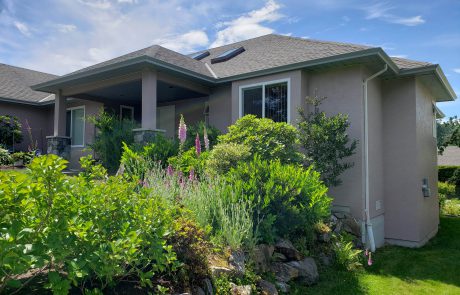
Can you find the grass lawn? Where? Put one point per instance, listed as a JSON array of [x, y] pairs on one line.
[[433, 269]]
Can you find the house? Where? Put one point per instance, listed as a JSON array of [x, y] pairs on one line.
[[450, 156], [392, 188]]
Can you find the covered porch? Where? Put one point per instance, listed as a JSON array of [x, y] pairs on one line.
[[152, 98]]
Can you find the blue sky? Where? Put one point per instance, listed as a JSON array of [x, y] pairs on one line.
[[60, 36]]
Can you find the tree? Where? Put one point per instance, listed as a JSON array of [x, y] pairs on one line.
[[447, 133], [325, 142], [10, 130]]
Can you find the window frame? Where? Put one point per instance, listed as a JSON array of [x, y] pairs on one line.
[[131, 108], [263, 85], [71, 123], [434, 130]]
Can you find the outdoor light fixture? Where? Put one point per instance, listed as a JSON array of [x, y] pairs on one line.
[[425, 189]]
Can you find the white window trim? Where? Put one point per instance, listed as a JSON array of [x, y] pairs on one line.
[[263, 84], [131, 108], [84, 125]]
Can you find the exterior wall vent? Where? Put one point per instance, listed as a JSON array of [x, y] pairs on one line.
[[229, 54]]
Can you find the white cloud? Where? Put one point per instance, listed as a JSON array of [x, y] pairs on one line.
[[457, 70], [399, 55], [187, 42], [66, 28], [99, 4], [382, 11], [128, 1], [22, 27], [249, 25]]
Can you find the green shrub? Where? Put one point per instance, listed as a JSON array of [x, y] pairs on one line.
[[10, 130], [225, 156], [446, 190], [325, 142], [88, 231], [25, 157], [271, 140], [451, 207], [446, 172], [286, 199], [160, 149], [111, 133], [198, 128], [5, 157], [188, 161], [346, 256]]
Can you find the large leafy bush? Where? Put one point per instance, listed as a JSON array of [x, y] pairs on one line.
[[87, 231], [225, 156], [269, 139], [287, 200], [10, 130], [199, 128], [5, 157], [111, 133], [325, 142]]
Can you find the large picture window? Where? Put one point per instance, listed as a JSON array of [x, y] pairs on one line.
[[75, 127], [266, 100]]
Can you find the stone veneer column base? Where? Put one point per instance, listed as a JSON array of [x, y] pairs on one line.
[[59, 145], [143, 136]]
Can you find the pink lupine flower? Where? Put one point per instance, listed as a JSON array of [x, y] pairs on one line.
[[369, 261], [182, 130], [366, 252], [169, 170], [206, 139], [197, 145]]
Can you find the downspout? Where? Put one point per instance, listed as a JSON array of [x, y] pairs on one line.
[[368, 227]]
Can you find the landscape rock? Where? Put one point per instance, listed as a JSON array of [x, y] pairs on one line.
[[262, 257], [283, 287], [240, 290], [220, 270], [266, 288], [236, 260], [278, 257], [351, 226], [284, 272], [325, 259], [307, 270], [198, 291], [286, 248], [208, 287]]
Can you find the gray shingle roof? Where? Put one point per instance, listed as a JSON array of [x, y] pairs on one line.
[[404, 63], [159, 53], [15, 84], [271, 51]]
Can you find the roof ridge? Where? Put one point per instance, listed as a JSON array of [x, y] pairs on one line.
[[30, 70], [323, 41], [411, 60]]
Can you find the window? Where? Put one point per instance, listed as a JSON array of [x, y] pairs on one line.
[[75, 127], [267, 100], [200, 55], [126, 113], [229, 54]]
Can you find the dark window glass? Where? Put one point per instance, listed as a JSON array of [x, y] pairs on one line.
[[68, 120], [252, 101], [276, 102]]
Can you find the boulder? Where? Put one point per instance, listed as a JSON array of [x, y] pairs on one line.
[[262, 257], [284, 272], [240, 290], [266, 288], [209, 290], [307, 270], [286, 248], [220, 270], [236, 261], [283, 287], [351, 226], [278, 257]]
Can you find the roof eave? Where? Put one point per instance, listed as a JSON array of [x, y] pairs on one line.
[[52, 85], [31, 103]]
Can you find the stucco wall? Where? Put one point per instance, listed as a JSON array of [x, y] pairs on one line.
[[40, 120], [343, 89], [426, 162], [402, 187], [220, 107]]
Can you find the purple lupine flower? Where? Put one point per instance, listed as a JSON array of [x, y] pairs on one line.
[[169, 170], [366, 252], [182, 130], [197, 145], [191, 175], [369, 261], [206, 139]]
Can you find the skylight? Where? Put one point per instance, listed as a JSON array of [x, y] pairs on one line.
[[227, 55], [200, 55]]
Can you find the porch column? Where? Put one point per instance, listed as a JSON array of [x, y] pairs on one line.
[[59, 143], [149, 100], [148, 128]]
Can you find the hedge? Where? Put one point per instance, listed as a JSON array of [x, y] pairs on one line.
[[446, 172]]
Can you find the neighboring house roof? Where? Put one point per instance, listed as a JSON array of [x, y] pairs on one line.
[[450, 157], [15, 85], [262, 55]]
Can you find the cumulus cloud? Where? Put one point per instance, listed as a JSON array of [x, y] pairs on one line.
[[383, 11], [187, 42], [249, 25], [22, 27], [457, 70], [66, 28]]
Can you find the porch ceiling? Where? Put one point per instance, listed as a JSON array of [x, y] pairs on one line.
[[132, 92]]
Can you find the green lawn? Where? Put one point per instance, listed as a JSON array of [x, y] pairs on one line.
[[433, 269]]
